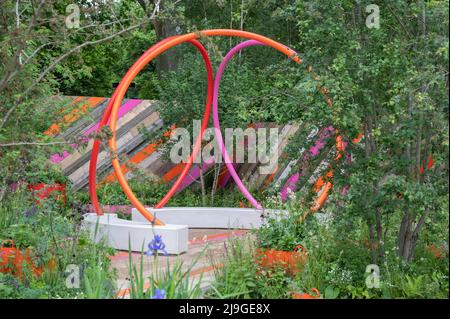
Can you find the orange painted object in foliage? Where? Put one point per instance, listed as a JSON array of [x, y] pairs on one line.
[[438, 252], [314, 294], [75, 114], [291, 261], [339, 146], [358, 138], [367, 244], [12, 261], [242, 205], [140, 156], [429, 165], [320, 182], [325, 187], [42, 191]]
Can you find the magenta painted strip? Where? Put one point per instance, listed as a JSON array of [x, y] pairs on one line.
[[291, 185], [56, 158], [124, 109], [194, 174], [227, 177]]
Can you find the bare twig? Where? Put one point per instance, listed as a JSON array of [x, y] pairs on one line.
[[33, 143], [17, 55], [17, 15], [11, 75], [399, 21], [44, 73], [101, 25], [33, 54], [57, 61]]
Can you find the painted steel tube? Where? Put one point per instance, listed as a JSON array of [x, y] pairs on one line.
[[137, 67], [223, 150], [96, 149], [320, 200], [106, 117], [150, 54]]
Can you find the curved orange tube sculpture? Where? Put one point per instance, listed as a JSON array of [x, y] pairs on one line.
[[134, 71], [106, 117], [112, 110]]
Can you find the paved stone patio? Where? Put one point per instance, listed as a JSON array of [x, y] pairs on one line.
[[205, 244]]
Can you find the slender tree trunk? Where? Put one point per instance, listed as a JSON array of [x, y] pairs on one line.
[[216, 180], [202, 185], [406, 223], [379, 229], [408, 234], [241, 26], [372, 243], [404, 236]]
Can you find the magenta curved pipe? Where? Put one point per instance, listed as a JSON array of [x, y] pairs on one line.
[[215, 112]]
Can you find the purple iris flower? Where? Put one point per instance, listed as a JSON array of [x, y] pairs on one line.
[[159, 294], [156, 245]]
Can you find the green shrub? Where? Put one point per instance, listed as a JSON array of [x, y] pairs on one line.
[[52, 233]]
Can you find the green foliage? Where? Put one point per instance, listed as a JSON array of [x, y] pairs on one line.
[[97, 284], [337, 262], [241, 277], [283, 231], [151, 192], [390, 82], [236, 279], [52, 234], [336, 266]]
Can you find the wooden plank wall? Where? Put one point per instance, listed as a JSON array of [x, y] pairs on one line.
[[134, 114]]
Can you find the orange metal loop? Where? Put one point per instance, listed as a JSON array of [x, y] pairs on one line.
[[134, 71], [141, 63], [106, 116]]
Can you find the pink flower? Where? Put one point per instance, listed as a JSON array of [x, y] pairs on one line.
[[345, 189], [315, 150]]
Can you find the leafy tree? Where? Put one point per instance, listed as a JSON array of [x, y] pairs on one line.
[[392, 83]]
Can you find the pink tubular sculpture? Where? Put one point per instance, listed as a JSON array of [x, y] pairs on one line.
[[225, 156]]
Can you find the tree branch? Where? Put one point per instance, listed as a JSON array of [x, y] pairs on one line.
[[21, 98], [15, 64], [420, 223], [56, 62], [33, 143], [17, 15]]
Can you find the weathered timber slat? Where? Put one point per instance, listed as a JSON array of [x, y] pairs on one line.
[[124, 124], [130, 140]]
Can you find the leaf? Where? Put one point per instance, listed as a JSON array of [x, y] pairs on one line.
[[331, 292]]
